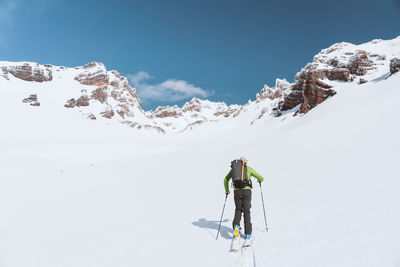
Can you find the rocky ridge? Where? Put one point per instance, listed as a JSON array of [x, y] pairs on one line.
[[101, 94], [342, 62], [28, 72]]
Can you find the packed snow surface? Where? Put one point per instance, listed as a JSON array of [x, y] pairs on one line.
[[77, 192]]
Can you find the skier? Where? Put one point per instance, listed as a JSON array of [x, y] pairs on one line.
[[240, 174]]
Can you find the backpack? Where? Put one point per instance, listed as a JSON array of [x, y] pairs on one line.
[[239, 174]]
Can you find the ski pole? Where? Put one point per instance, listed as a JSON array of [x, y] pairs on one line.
[[265, 217], [220, 221]]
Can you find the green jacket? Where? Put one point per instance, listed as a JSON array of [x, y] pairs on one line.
[[250, 172]]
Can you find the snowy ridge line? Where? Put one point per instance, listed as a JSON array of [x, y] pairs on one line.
[[103, 95]]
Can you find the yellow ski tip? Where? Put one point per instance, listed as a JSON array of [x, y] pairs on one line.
[[236, 233]]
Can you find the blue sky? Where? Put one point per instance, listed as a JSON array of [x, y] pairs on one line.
[[223, 50]]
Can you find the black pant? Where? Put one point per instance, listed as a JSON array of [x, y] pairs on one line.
[[243, 204]]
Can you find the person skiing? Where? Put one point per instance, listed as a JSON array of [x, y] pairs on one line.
[[240, 174]]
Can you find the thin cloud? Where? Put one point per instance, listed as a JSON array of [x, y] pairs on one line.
[[139, 78], [171, 90]]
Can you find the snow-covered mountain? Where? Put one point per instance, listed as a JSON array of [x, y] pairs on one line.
[[78, 191], [100, 94]]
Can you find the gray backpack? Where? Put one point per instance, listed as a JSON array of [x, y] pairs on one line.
[[239, 174]]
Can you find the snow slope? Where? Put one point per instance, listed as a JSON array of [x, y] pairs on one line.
[[75, 192]]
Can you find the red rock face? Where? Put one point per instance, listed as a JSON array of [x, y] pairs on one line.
[[309, 90], [30, 73], [314, 93], [294, 98], [394, 65]]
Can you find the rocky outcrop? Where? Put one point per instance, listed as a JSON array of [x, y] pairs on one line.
[[91, 116], [113, 92], [361, 81], [32, 100], [71, 103], [94, 74], [309, 90], [100, 94], [82, 101], [268, 93], [314, 93], [167, 111], [394, 65], [193, 105], [291, 100], [29, 72], [226, 112], [123, 110], [107, 113], [360, 63], [281, 86], [338, 74]]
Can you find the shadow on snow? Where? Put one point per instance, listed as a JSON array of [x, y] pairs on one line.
[[225, 232]]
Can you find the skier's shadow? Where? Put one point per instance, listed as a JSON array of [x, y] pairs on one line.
[[225, 232]]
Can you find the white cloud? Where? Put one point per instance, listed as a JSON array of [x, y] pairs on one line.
[[170, 90], [139, 77]]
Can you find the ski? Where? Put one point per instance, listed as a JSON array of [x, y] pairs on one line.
[[248, 254], [236, 245], [247, 244], [236, 240]]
